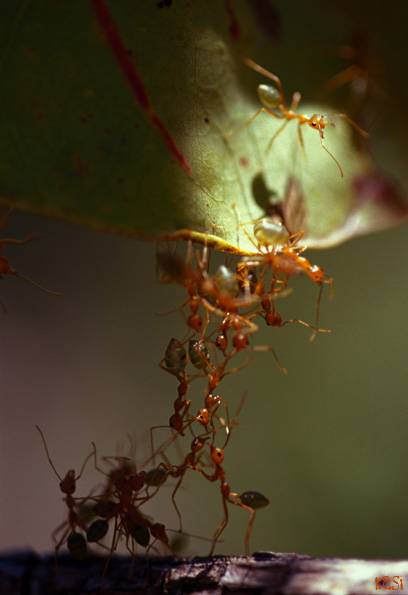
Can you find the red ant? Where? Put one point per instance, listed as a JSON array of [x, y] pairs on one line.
[[245, 501], [182, 273], [76, 542], [178, 471], [121, 501], [175, 362], [274, 104]]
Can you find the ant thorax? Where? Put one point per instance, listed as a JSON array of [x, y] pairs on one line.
[[271, 233]]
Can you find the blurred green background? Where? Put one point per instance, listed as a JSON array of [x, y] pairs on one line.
[[327, 444]]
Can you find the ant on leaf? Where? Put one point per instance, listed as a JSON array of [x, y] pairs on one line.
[[274, 104]]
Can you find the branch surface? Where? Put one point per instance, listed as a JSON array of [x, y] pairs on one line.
[[27, 573]]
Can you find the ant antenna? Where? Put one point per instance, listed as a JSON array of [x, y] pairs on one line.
[[48, 454], [333, 157], [35, 284]]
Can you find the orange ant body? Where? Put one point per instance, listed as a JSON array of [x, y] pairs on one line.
[[248, 503], [274, 104], [287, 259], [179, 471]]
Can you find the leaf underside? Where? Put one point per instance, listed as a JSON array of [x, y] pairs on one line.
[[152, 156]]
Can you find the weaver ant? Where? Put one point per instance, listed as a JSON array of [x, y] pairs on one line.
[[178, 471], [76, 542], [288, 260], [121, 501], [249, 501], [274, 104]]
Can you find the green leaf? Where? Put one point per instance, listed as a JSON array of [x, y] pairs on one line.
[[117, 114]]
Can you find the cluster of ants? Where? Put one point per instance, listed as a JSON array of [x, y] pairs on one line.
[[222, 313]]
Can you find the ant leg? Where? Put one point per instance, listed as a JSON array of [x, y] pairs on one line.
[[268, 75], [319, 297], [301, 141], [242, 226], [296, 98], [277, 133], [94, 454], [248, 122], [153, 452], [48, 453], [84, 464], [295, 237], [307, 325], [60, 543], [250, 525], [58, 530], [29, 238], [330, 282], [275, 356], [177, 309], [221, 527], [356, 127], [348, 75], [34, 283], [176, 508], [332, 156], [114, 545]]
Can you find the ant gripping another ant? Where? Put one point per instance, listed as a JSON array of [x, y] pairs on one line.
[[249, 501], [279, 251], [274, 104]]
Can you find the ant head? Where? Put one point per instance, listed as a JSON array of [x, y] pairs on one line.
[[318, 121], [217, 455], [68, 484], [317, 274], [269, 96], [203, 417]]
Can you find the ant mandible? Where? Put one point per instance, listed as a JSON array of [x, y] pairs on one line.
[[274, 104]]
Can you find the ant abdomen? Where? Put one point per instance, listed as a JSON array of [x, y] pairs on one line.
[[199, 354], [270, 231], [254, 500], [269, 96], [76, 544], [226, 281], [175, 357], [97, 530]]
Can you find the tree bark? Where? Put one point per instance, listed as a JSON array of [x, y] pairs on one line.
[[26, 573]]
